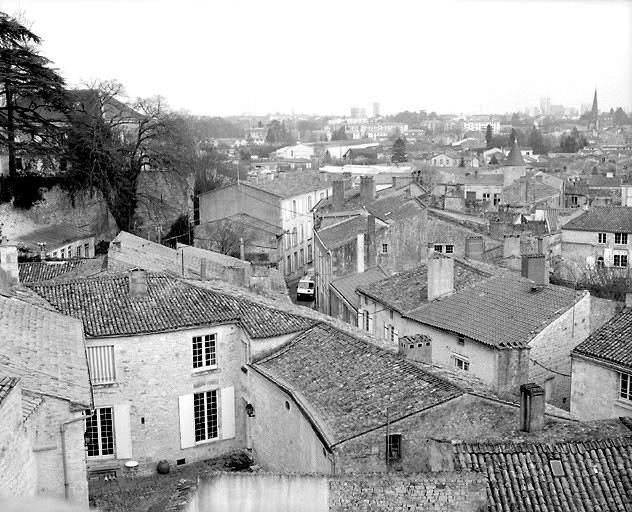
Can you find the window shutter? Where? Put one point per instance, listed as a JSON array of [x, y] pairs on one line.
[[396, 336], [122, 431], [385, 331], [608, 257], [227, 396], [370, 323], [187, 422], [360, 319]]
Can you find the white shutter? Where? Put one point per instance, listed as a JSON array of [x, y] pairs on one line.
[[187, 422], [370, 323], [227, 396], [385, 331], [396, 337], [122, 431], [360, 319], [608, 259]]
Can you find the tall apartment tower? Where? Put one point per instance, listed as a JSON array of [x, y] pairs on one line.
[[545, 106], [376, 109]]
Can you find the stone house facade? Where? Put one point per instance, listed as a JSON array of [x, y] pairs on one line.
[[602, 372], [144, 328], [284, 201]]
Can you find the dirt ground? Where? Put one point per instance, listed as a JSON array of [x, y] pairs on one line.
[[152, 493]]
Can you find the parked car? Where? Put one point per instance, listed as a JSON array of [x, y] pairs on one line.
[[306, 287]]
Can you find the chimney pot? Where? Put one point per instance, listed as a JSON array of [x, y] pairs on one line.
[[532, 407], [534, 268], [338, 193], [138, 288], [367, 189], [440, 277], [474, 247]]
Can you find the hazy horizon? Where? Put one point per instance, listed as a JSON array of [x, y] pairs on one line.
[[231, 57]]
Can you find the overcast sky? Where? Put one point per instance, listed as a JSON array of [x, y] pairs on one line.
[[324, 56]]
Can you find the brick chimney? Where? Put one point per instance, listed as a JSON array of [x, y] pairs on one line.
[[474, 247], [138, 288], [511, 246], [367, 189], [532, 407], [9, 262], [534, 268], [338, 195], [42, 250], [440, 277]]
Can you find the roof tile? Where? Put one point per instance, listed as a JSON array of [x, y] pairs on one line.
[[610, 219], [611, 342]]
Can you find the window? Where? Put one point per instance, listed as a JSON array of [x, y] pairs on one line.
[[78, 253], [294, 208], [384, 248], [449, 249], [55, 254], [86, 249], [100, 432], [205, 415], [310, 230], [625, 386], [366, 321], [204, 351], [296, 267], [602, 238], [621, 238], [461, 340], [301, 233], [438, 248], [394, 446], [461, 363], [101, 364], [301, 259], [294, 236], [496, 199], [620, 260], [288, 265], [309, 203], [63, 253], [309, 253], [486, 196], [288, 240], [600, 262]]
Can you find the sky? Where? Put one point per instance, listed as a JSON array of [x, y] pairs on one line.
[[234, 57]]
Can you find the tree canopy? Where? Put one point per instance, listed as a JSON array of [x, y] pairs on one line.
[[489, 135], [398, 154], [34, 97]]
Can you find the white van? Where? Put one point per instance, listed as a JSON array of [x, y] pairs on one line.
[[306, 288]]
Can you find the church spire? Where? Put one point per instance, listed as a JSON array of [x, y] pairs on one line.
[[595, 109]]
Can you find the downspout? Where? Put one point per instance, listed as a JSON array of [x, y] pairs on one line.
[[62, 428]]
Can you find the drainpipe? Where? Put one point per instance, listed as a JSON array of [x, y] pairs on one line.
[[62, 428]]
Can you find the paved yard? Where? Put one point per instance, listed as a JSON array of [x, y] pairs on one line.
[[151, 493]]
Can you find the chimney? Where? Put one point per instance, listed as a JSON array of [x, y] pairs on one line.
[[360, 252], [540, 245], [203, 266], [323, 176], [338, 195], [9, 262], [242, 250], [138, 289], [474, 247], [628, 300], [371, 241], [531, 407], [534, 268], [42, 250], [367, 189], [511, 246], [440, 277]]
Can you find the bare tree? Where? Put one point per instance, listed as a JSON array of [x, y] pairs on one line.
[[225, 236]]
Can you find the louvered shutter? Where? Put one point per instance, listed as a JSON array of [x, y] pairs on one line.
[[608, 259]]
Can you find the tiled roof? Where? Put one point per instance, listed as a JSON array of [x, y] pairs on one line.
[[106, 308], [293, 184], [603, 181], [346, 286], [501, 311], [610, 219], [482, 179], [6, 385], [593, 475], [343, 232], [36, 271], [346, 385], [395, 207], [45, 349], [407, 290], [54, 236], [612, 341]]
